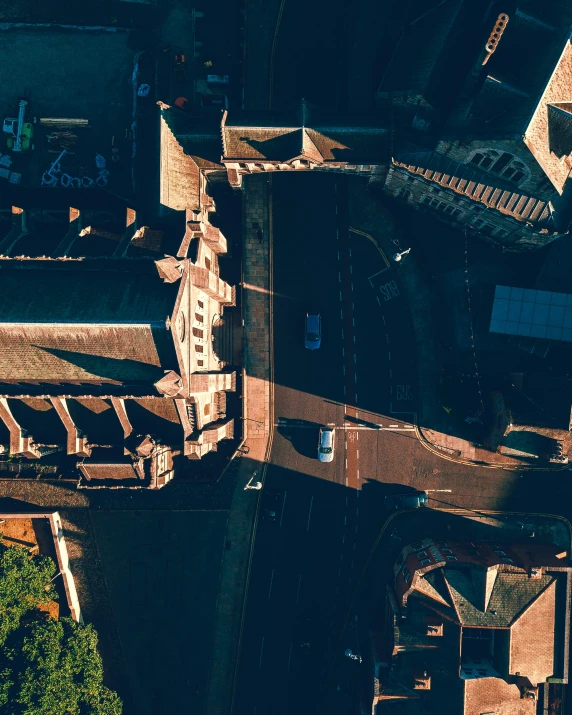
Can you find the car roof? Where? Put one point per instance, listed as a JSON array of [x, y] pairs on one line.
[[313, 322], [327, 436]]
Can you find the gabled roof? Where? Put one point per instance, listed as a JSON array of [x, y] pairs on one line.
[[511, 595]]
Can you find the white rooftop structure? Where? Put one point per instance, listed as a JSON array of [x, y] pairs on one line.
[[532, 313]]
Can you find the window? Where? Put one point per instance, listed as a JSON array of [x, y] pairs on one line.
[[451, 557], [404, 194], [198, 348], [424, 562], [198, 333], [506, 560], [207, 409], [417, 546], [207, 263], [446, 551], [503, 164], [500, 553], [199, 318], [200, 363], [421, 554], [201, 304], [501, 232]]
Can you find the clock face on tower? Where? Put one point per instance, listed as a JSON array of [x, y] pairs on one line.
[[181, 327]]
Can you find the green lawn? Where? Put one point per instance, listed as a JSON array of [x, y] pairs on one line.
[[162, 571]]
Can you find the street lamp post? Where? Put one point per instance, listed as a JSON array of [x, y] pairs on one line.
[[398, 256], [256, 485]]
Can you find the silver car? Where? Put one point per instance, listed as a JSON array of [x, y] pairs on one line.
[[313, 336], [326, 444]]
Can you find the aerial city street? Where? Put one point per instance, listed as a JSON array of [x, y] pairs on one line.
[[285, 357]]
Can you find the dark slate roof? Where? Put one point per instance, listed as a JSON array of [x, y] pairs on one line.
[[425, 34], [560, 128], [97, 419], [521, 66], [511, 595], [104, 292], [477, 185], [40, 419]]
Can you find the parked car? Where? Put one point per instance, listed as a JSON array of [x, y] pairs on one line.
[[313, 335], [410, 500], [326, 444], [271, 505]]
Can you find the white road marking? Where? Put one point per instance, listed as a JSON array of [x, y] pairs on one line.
[[345, 519], [261, 651], [343, 352], [391, 373], [344, 369], [354, 322], [394, 425], [389, 354], [439, 490], [283, 505], [378, 300], [341, 314], [289, 656], [309, 513], [355, 377], [351, 269], [346, 481], [338, 255], [357, 453], [383, 316], [339, 276], [386, 335], [358, 475], [355, 358], [298, 591], [377, 274], [270, 587], [342, 333], [341, 297], [343, 538], [346, 462]]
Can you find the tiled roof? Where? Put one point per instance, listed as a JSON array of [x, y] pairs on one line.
[[86, 354], [62, 322], [91, 291], [127, 471], [476, 185], [512, 593], [493, 695], [262, 143], [157, 417]]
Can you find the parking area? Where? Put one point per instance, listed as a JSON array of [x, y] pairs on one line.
[[162, 572], [68, 74]]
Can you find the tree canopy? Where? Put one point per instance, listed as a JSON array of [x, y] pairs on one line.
[[47, 666]]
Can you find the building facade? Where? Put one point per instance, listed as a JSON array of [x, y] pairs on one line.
[[108, 343], [473, 122]]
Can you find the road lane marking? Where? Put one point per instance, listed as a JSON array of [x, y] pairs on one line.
[[289, 656], [339, 276], [261, 651], [298, 591], [394, 425], [439, 490], [309, 513], [378, 301], [283, 505], [389, 354], [383, 316], [387, 338], [377, 274], [270, 587], [346, 481]]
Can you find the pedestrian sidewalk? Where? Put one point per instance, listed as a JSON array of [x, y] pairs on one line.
[[368, 214], [242, 517]]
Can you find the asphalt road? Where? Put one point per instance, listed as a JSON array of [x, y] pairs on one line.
[[309, 557]]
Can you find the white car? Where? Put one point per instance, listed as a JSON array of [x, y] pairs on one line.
[[326, 444]]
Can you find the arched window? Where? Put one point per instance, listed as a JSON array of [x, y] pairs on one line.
[[500, 163]]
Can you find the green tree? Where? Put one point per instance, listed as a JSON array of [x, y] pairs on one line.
[[24, 584], [50, 667]]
